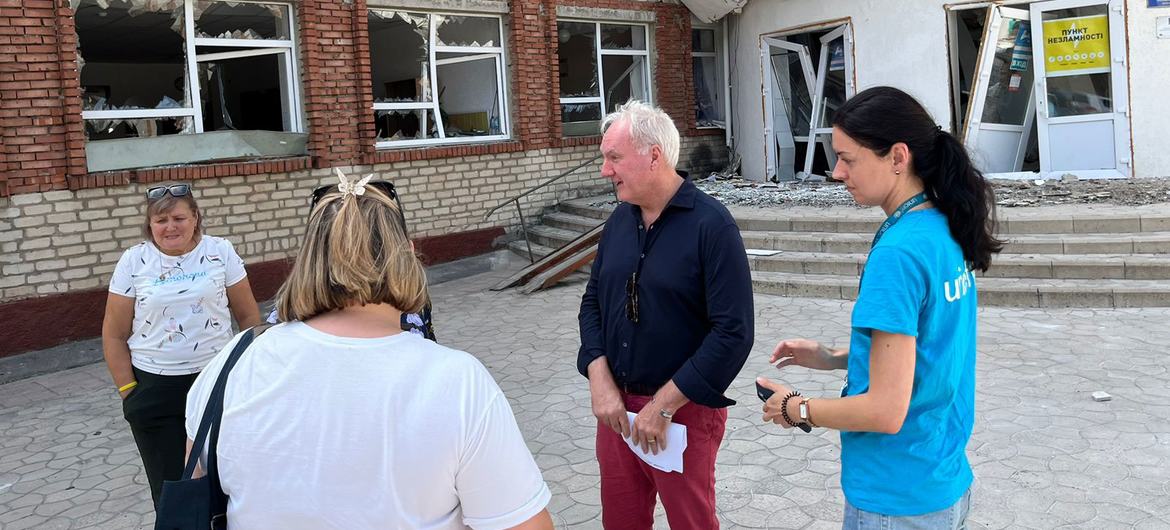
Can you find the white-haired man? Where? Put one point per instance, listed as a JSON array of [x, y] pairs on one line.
[[666, 325]]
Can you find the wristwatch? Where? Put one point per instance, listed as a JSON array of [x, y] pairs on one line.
[[666, 414], [805, 414]]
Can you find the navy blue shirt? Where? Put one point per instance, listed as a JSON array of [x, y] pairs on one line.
[[694, 299]]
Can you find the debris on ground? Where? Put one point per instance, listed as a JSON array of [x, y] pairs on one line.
[[1100, 396], [735, 190]]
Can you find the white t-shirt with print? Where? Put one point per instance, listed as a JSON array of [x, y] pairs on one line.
[[181, 315], [326, 432]]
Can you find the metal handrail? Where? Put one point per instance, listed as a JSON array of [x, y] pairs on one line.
[[516, 200]]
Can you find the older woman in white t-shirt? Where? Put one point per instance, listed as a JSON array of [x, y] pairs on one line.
[[338, 418], [169, 311]]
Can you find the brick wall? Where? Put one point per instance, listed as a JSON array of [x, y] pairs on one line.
[[41, 139], [62, 229], [62, 241]]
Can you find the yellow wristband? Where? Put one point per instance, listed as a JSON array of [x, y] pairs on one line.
[[127, 386]]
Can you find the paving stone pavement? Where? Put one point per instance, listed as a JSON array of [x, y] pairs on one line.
[[1045, 454]]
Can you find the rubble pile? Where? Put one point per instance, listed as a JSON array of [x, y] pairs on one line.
[[735, 190]]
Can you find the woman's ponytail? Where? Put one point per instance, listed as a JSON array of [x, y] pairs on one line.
[[967, 200], [880, 117]]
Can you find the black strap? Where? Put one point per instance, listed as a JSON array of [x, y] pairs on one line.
[[212, 414]]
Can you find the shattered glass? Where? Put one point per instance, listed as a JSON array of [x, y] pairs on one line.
[[622, 37], [225, 19], [580, 112], [243, 93], [134, 8], [131, 57], [468, 95], [137, 128], [457, 30], [577, 59], [410, 124], [399, 56], [625, 79]]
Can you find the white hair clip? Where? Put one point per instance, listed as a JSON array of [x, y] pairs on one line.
[[355, 188]]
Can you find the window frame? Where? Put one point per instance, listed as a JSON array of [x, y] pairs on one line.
[[431, 108], [721, 59], [283, 47], [599, 53]]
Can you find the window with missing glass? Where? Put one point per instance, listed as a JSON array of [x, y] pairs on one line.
[[437, 78], [601, 66], [154, 69], [708, 76]]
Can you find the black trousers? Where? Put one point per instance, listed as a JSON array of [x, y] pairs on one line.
[[156, 409]]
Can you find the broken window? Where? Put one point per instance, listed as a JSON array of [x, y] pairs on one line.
[[143, 76], [708, 76], [810, 75], [224, 19], [437, 78], [623, 51]]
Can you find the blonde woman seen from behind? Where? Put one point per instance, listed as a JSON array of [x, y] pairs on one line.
[[337, 418]]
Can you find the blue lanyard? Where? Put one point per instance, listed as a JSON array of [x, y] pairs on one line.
[[892, 220]]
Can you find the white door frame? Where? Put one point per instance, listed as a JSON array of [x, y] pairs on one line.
[[1119, 88], [845, 32], [802, 53], [973, 123]]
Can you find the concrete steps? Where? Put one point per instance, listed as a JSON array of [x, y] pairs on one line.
[[1013, 292], [1056, 257], [1036, 266], [1141, 243]]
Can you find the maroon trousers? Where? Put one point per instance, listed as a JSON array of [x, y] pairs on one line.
[[629, 485]]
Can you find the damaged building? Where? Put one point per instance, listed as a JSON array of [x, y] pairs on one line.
[[462, 104], [1035, 90], [466, 104]]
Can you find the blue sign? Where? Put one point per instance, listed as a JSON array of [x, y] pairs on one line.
[[1159, 3]]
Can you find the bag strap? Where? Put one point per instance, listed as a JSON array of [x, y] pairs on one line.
[[213, 410]]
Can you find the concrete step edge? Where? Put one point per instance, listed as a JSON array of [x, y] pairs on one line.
[[1008, 292]]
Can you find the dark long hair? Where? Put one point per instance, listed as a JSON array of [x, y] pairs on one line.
[[880, 117]]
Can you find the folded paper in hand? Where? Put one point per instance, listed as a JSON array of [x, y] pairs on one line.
[[668, 459]]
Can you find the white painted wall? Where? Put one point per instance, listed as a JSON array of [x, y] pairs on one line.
[[894, 44], [1149, 78]]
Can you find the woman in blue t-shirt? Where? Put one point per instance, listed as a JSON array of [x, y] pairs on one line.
[[908, 405]]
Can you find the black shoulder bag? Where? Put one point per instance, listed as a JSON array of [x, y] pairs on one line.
[[200, 504]]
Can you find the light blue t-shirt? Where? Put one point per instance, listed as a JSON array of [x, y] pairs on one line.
[[916, 283]]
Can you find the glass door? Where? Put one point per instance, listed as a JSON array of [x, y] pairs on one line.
[[999, 120], [788, 103], [1081, 99], [834, 85]]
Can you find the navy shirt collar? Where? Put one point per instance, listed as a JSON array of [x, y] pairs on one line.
[[684, 197]]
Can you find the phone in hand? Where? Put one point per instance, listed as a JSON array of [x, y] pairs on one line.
[[764, 393]]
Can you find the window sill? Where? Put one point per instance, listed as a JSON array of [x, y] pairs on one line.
[[134, 153], [572, 141], [707, 131], [190, 172], [431, 152]]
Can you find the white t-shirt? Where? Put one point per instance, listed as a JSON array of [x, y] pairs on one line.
[[325, 432], [181, 315]]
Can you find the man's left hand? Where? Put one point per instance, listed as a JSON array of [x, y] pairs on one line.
[[649, 429]]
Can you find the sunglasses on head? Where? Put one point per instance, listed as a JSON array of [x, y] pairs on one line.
[[384, 186], [176, 190]]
